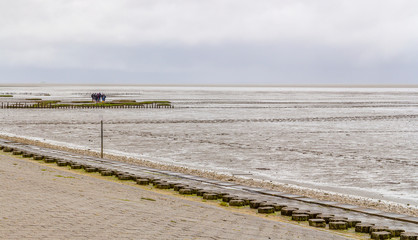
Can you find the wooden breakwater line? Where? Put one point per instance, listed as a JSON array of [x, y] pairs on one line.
[[24, 105], [232, 195]]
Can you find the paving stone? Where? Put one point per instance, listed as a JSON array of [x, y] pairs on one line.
[[27, 155], [222, 194], [90, 169], [317, 223], [172, 184], [236, 203], [210, 196], [227, 198], [409, 236], [278, 206], [266, 204], [106, 173], [306, 212], [61, 163], [338, 219], [155, 183], [352, 223], [101, 169], [76, 166], [326, 217], [381, 235], [247, 200], [7, 149], [219, 193], [50, 160], [395, 232], [163, 186], [194, 189], [177, 187], [255, 204], [313, 214], [379, 229], [142, 181], [38, 157], [363, 228], [185, 191], [337, 225], [288, 211], [133, 176], [202, 192], [265, 210], [300, 217]]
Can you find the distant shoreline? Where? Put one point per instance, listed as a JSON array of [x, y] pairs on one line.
[[223, 85]]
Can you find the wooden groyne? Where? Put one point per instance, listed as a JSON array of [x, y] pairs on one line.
[[24, 105]]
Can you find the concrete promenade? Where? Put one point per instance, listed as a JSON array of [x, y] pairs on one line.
[[42, 202]]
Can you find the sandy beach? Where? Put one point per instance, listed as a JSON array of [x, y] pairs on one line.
[[42, 202]]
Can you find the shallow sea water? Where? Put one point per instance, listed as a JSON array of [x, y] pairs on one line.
[[355, 141]]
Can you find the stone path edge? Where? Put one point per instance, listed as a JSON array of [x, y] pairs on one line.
[[262, 191], [185, 197], [348, 207]]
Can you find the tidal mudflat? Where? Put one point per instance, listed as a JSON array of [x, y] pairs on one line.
[[341, 142]]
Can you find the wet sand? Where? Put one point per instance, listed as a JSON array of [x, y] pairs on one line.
[[354, 146]]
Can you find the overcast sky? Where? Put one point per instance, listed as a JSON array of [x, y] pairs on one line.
[[209, 41]]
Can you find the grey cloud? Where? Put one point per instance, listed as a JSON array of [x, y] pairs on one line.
[[134, 22], [218, 40], [266, 64]]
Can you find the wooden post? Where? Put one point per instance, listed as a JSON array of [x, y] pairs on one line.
[[101, 152]]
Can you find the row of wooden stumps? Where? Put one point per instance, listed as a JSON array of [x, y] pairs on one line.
[[53, 106], [315, 219]]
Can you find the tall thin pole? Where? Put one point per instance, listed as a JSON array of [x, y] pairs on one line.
[[101, 124]]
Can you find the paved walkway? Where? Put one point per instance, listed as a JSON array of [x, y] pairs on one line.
[[38, 202]]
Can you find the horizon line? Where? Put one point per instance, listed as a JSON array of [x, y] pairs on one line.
[[217, 85]]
